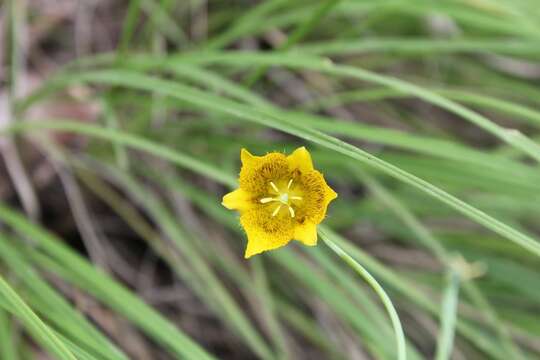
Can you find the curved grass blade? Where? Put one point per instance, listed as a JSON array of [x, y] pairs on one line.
[[104, 288], [33, 323], [421, 46], [510, 136], [9, 336], [273, 120], [295, 61], [448, 317], [53, 307]]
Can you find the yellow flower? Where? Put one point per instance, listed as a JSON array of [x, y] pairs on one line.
[[280, 198]]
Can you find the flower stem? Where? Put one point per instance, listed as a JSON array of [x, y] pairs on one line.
[[396, 323]]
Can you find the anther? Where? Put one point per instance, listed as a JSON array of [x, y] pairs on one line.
[[274, 186], [291, 211], [282, 197]]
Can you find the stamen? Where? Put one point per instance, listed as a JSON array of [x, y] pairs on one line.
[[282, 197], [291, 210], [274, 186]]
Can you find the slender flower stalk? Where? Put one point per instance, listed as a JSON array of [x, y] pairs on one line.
[[281, 198], [392, 313]]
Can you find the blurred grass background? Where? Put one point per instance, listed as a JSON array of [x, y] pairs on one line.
[[122, 123]]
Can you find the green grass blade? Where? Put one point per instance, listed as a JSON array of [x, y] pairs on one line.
[[140, 143], [448, 318], [422, 46], [33, 323], [8, 337], [512, 137], [265, 118], [242, 25], [298, 34], [425, 237], [106, 289], [53, 307]]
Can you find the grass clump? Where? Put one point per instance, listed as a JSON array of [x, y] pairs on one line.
[[124, 122]]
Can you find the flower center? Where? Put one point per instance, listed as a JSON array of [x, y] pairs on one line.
[[283, 197]]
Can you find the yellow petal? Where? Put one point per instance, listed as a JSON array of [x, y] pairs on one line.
[[258, 171], [237, 200], [300, 159], [246, 157], [259, 245], [307, 234], [329, 194], [265, 232], [316, 195]]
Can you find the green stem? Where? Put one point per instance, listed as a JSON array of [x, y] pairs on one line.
[[392, 313]]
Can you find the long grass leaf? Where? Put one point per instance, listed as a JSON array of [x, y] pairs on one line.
[[39, 330]]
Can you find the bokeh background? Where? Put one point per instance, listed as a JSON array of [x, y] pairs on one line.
[[121, 127]]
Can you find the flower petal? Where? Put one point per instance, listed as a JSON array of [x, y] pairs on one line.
[[300, 159], [265, 232], [246, 157], [315, 197], [259, 245], [237, 200], [307, 234], [329, 194], [258, 171]]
